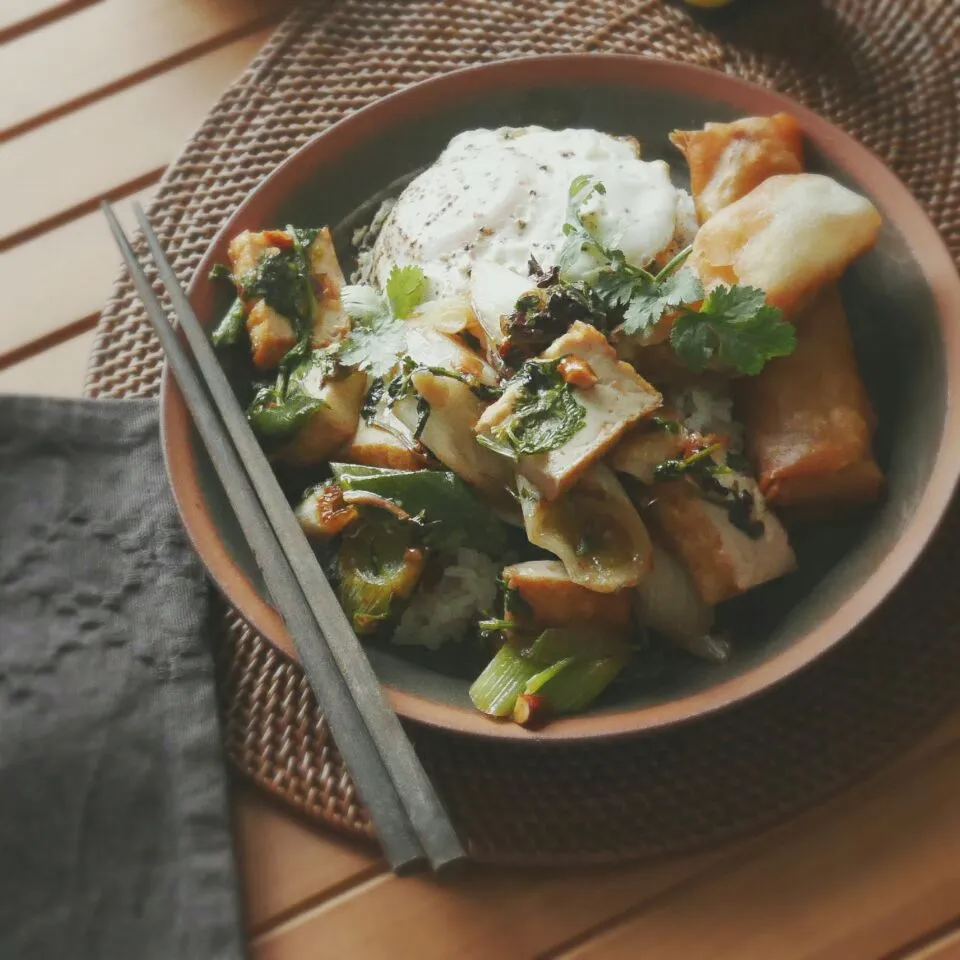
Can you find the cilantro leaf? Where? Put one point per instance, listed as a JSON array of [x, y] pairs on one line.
[[649, 304], [579, 228], [735, 327], [644, 297], [377, 336], [406, 288], [374, 343]]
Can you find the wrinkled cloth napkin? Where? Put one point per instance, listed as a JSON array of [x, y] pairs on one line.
[[115, 839]]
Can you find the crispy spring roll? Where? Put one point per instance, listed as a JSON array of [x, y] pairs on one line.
[[727, 160], [808, 419], [790, 236], [722, 559]]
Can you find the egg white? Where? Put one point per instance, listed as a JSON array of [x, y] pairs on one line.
[[500, 196]]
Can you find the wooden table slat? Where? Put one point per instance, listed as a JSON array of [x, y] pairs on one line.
[[286, 864], [874, 873], [81, 56], [544, 913], [64, 167], [19, 16], [84, 258], [871, 874], [943, 947], [58, 372], [485, 913]]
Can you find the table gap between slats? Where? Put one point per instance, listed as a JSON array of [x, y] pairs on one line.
[[943, 944]]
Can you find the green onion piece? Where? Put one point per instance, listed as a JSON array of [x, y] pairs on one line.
[[503, 679], [576, 686], [568, 667], [579, 642], [282, 421], [229, 330], [539, 680]]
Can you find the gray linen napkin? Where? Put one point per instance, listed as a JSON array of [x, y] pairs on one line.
[[115, 840]]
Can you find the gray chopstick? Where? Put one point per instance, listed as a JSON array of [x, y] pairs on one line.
[[395, 831], [415, 790]]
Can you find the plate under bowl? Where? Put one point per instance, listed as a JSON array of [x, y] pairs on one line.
[[903, 299]]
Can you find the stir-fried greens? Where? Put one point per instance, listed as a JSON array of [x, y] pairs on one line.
[[574, 433]]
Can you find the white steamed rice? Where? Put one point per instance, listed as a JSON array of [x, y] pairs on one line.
[[467, 589], [709, 411]]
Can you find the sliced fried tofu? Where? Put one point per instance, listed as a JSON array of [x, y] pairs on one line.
[[271, 335], [324, 265], [617, 399], [727, 160], [554, 600], [594, 529], [722, 559], [790, 236], [334, 423]]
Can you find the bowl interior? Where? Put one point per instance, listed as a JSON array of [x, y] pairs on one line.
[[893, 316]]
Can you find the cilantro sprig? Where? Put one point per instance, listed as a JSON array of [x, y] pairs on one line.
[[377, 336], [642, 298], [734, 327]]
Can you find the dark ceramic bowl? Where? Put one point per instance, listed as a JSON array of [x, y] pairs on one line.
[[904, 305]]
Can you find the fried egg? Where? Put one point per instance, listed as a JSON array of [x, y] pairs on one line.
[[498, 197]]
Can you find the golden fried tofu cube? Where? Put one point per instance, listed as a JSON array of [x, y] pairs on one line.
[[556, 601], [271, 335], [330, 322], [247, 248], [374, 446], [330, 426]]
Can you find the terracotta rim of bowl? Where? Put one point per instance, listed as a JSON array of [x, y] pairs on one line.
[[860, 164]]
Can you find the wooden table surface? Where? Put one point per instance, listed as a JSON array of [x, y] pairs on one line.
[[97, 97]]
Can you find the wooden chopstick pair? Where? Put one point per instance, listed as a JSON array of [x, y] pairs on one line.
[[411, 824]]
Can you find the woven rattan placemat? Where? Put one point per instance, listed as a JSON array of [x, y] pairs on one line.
[[888, 72]]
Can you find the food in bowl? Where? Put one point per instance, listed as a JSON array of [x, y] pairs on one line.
[[564, 406]]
